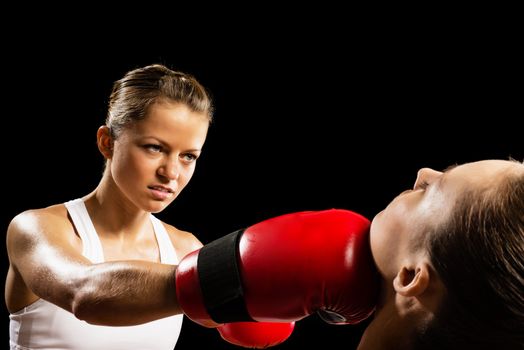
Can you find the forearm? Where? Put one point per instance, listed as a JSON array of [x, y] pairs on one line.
[[126, 293]]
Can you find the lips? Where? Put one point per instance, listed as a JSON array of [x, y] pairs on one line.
[[162, 188]]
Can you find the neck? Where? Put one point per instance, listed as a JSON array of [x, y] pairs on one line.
[[391, 325], [114, 214], [386, 332]]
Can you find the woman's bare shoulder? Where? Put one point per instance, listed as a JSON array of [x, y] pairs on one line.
[[38, 221], [53, 212], [184, 242]]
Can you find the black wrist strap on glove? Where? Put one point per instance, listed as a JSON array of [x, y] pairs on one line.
[[220, 280]]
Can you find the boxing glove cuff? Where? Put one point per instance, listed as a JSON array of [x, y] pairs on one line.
[[220, 280]]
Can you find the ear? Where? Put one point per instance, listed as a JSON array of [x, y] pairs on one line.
[[410, 281], [104, 141]]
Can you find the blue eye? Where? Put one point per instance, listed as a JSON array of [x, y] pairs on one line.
[[153, 148], [189, 157]]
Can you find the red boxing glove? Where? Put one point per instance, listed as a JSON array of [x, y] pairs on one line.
[[256, 335], [282, 270]]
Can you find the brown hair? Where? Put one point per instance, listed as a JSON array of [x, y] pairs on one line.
[[479, 255], [140, 88]]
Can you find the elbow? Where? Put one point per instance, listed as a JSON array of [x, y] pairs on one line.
[[88, 306], [86, 301], [81, 306], [84, 307]]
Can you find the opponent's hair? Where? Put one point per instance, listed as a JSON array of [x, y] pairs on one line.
[[479, 255], [132, 95]]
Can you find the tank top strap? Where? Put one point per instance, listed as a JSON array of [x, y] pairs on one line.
[[91, 246], [167, 251]]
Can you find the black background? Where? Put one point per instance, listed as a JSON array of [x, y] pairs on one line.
[[304, 121]]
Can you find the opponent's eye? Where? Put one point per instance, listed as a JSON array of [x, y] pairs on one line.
[[421, 185]]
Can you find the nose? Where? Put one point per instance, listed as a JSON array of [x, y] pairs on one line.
[[425, 177], [170, 170]]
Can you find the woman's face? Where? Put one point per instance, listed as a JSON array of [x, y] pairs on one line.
[[154, 159], [397, 233]]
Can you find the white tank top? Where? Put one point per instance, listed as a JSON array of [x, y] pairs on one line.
[[43, 325]]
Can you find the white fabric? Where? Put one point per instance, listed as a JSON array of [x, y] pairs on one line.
[[43, 325]]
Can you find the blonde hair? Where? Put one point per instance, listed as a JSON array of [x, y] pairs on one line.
[[132, 95]]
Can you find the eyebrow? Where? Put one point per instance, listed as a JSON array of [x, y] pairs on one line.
[[444, 172], [164, 143]]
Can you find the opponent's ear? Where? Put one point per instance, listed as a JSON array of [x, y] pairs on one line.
[[410, 281], [105, 141]]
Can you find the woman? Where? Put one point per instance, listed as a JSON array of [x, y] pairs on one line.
[[104, 258], [451, 255]]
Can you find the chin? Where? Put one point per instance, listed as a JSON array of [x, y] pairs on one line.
[[375, 222], [155, 206]]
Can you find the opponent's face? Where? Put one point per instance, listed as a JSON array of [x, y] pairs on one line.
[[154, 159], [397, 231]]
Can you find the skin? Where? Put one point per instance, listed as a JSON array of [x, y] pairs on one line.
[[155, 155], [411, 289]]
